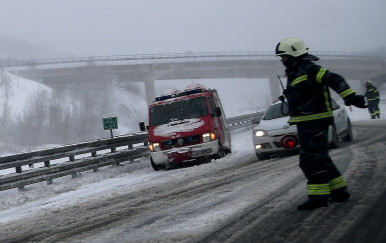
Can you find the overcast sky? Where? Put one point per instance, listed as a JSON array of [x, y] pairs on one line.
[[120, 27]]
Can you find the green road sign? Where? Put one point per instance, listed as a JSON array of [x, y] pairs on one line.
[[110, 123]]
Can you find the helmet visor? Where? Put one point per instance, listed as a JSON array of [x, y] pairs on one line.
[[278, 51]]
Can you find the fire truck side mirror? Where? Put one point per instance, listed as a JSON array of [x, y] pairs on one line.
[[142, 126], [217, 112]]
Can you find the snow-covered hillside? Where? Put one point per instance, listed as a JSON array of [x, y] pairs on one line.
[[125, 104], [21, 91], [27, 106]]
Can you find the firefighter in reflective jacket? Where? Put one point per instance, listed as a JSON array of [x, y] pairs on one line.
[[372, 97], [309, 102]]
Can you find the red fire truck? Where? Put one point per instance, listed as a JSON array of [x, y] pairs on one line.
[[187, 126]]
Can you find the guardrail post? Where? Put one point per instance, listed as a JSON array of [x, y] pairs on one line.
[[47, 163], [94, 154], [72, 158], [113, 150], [19, 169], [21, 189], [130, 147]]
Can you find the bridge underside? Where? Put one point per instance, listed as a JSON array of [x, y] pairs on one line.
[[353, 69]]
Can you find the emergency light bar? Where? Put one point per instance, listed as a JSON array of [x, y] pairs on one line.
[[183, 93]]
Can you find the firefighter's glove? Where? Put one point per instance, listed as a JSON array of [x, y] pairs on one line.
[[355, 100], [285, 92]]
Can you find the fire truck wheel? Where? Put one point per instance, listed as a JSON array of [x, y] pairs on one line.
[[155, 166], [220, 153], [228, 151]]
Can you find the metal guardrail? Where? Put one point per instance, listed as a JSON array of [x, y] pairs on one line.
[[175, 56], [83, 156], [244, 120], [87, 159]]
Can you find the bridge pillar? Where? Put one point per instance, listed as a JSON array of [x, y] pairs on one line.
[[150, 91], [276, 89]]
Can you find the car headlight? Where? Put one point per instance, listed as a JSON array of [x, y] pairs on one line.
[[207, 137], [260, 133], [154, 147], [258, 146]]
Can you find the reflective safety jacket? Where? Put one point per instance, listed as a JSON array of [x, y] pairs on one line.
[[371, 93], [308, 94]]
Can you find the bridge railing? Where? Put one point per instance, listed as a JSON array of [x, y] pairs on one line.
[[138, 57], [173, 56]]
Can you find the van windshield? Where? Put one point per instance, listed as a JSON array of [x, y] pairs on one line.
[[275, 111], [179, 110]]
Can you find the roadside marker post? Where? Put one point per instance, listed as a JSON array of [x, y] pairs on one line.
[[110, 123]]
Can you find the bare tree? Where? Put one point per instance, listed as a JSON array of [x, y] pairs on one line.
[[7, 117]]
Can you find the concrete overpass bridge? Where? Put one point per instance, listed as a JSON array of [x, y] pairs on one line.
[[150, 68]]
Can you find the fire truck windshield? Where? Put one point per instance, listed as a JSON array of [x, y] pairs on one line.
[[178, 110]]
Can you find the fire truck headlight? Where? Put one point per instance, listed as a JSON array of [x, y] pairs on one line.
[[207, 137], [154, 147]]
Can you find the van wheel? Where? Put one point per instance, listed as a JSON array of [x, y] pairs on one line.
[[221, 152], [155, 167], [204, 160], [228, 151], [335, 138], [348, 137]]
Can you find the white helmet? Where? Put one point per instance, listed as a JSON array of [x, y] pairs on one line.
[[292, 46]]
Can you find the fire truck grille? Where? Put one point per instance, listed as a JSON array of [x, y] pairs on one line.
[[180, 142]]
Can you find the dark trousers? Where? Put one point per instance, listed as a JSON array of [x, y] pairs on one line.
[[314, 159], [373, 108]]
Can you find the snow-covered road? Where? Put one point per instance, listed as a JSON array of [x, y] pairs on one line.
[[237, 198]]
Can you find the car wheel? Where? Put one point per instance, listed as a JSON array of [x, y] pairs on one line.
[[262, 157], [348, 137], [335, 138]]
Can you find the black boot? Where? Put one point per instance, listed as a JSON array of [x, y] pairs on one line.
[[340, 195], [314, 202]]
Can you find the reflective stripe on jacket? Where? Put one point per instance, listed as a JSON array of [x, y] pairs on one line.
[[372, 93], [308, 92]]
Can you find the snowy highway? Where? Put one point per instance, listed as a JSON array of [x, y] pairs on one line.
[[234, 199]]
